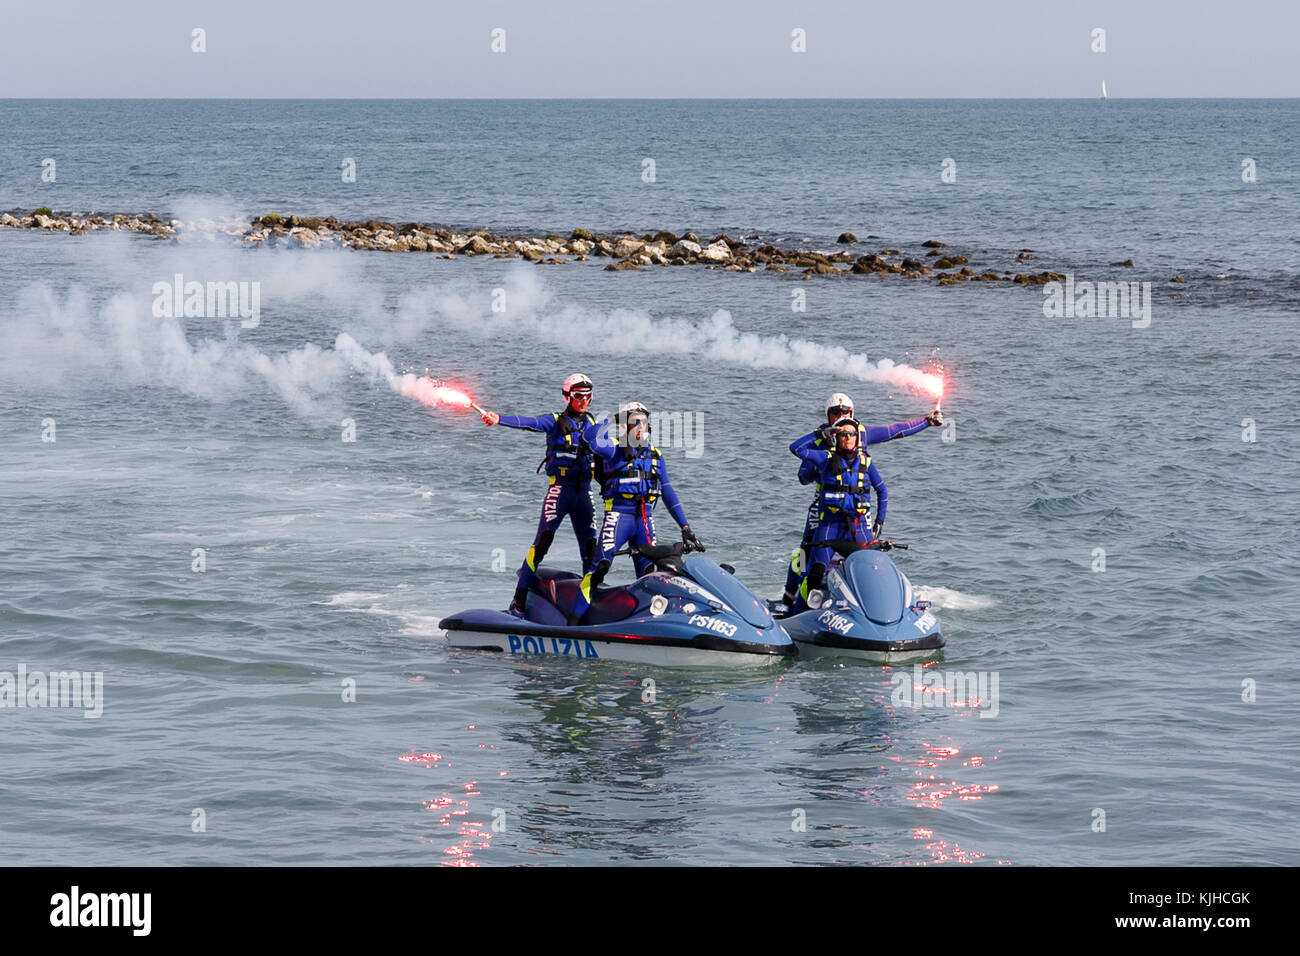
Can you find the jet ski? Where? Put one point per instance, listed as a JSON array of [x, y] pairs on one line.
[[688, 611], [866, 609]]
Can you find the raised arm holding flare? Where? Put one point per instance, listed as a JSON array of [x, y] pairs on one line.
[[569, 470]]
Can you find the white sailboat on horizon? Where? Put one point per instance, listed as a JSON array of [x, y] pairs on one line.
[[1103, 89]]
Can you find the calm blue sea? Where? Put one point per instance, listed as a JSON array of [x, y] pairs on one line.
[[1109, 525]]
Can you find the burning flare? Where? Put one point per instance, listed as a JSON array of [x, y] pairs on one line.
[[432, 392]]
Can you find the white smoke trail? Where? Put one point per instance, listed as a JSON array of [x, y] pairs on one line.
[[305, 378], [69, 343], [62, 337], [376, 364], [529, 312], [100, 331], [718, 338]]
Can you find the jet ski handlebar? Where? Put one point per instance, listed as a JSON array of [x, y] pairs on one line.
[[665, 557], [845, 546], [658, 552]]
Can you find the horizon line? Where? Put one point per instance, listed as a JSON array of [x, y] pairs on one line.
[[600, 99]]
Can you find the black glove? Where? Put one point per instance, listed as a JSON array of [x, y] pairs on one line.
[[935, 418], [825, 433], [688, 537], [877, 527]]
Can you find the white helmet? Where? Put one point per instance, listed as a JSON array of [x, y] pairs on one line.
[[839, 400], [625, 413], [576, 381]]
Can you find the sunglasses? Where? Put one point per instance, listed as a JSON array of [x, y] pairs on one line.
[[840, 410]]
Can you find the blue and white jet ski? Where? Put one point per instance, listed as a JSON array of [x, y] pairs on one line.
[[866, 609], [689, 611]]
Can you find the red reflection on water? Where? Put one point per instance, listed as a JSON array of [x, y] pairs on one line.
[[473, 834], [427, 759], [932, 791], [453, 812], [941, 851], [933, 786], [776, 689]]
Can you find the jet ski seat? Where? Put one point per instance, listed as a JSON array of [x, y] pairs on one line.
[[607, 604]]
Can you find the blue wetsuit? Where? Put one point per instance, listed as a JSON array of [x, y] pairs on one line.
[[845, 512], [633, 479], [867, 435], [568, 468]]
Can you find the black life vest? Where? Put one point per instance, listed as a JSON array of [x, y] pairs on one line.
[[634, 474], [568, 459], [845, 484]]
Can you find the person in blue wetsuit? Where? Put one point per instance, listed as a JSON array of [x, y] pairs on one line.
[[633, 477], [844, 471], [839, 406], [569, 470]]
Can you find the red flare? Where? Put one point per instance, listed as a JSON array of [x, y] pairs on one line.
[[452, 396], [433, 393], [933, 384]]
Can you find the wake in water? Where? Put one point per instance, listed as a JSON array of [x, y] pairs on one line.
[[947, 599], [414, 623]]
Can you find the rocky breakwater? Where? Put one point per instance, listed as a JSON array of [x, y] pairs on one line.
[[928, 260]]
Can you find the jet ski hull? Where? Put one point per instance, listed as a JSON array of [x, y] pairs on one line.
[[695, 614], [871, 642], [498, 631], [868, 611]]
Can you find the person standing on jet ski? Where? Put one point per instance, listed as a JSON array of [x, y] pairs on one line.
[[844, 472], [569, 470], [839, 406], [633, 477]]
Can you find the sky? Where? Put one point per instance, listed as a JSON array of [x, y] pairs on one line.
[[666, 48]]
